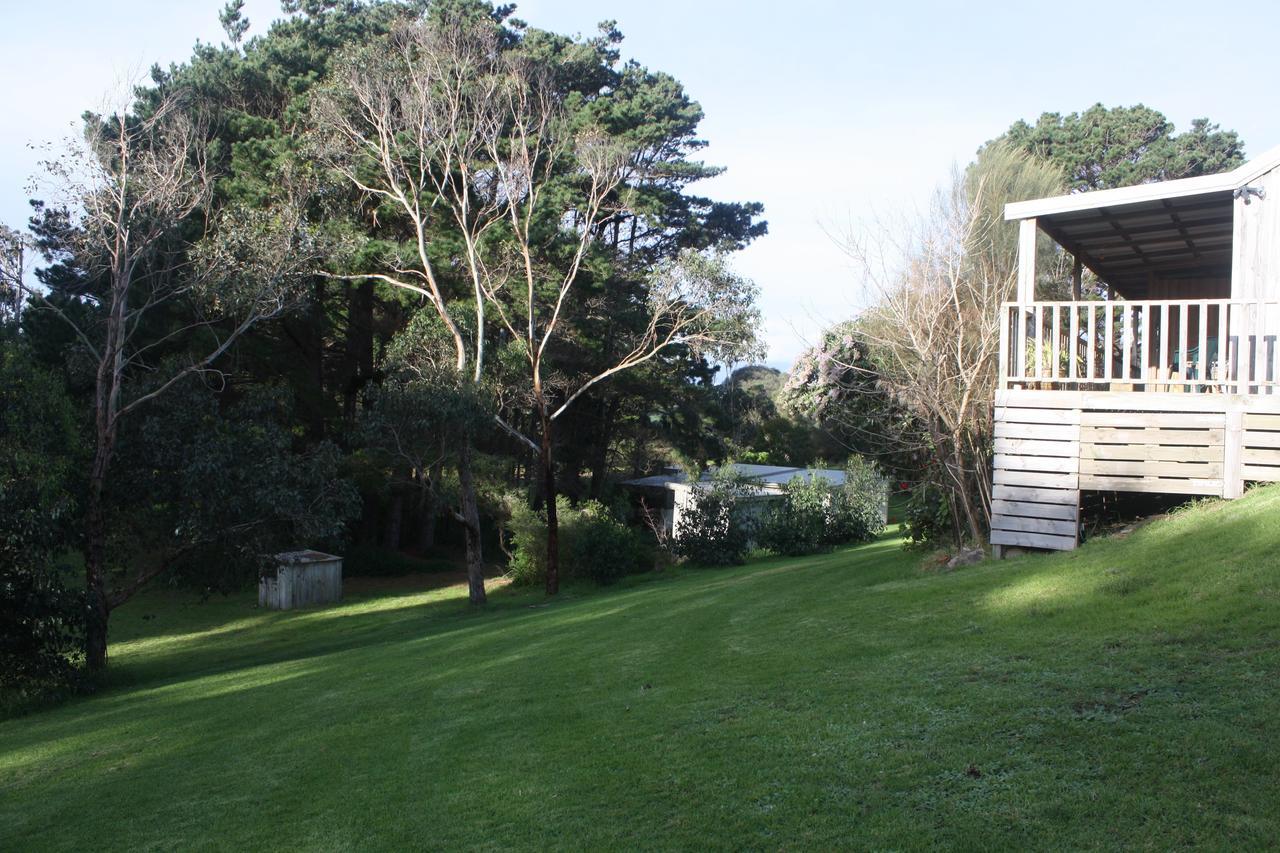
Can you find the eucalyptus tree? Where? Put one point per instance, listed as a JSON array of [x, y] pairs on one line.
[[479, 147], [155, 282], [407, 119]]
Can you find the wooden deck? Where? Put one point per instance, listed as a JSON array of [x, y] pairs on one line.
[[1051, 445]]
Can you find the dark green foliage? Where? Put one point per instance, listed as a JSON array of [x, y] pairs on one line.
[[211, 489], [816, 515], [753, 427], [41, 632], [373, 562], [594, 545], [797, 524], [928, 517], [41, 623], [717, 525], [859, 506], [1105, 147]]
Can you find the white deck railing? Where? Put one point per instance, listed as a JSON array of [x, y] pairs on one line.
[[1194, 345]]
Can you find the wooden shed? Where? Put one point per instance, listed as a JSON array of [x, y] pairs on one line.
[[301, 579], [1172, 383]]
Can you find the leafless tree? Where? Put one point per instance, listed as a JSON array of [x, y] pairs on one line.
[[935, 286], [125, 192]]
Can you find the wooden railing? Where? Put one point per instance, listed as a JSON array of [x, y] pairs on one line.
[[1193, 346]]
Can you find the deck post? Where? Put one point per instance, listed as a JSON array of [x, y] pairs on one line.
[[1026, 261], [1233, 450]]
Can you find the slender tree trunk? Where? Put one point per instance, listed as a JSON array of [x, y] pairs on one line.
[[95, 573], [549, 495], [600, 454], [471, 522], [430, 507]]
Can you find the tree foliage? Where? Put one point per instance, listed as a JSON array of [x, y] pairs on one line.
[[1102, 147], [41, 621]]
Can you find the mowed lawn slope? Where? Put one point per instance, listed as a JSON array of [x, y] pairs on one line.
[[1124, 695]]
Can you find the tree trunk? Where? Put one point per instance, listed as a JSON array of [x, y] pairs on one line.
[[549, 495], [430, 508], [95, 575], [471, 522], [600, 453]]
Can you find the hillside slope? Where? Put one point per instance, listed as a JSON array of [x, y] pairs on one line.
[[1121, 695]]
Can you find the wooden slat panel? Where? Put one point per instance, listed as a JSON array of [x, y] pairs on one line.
[[1034, 398], [1148, 401], [1102, 435], [1035, 479], [1260, 456], [1262, 405], [1037, 432], [1066, 512], [1151, 419], [1036, 447], [1203, 470], [1256, 438], [1055, 527], [1253, 420], [1025, 493], [1056, 464], [1262, 473], [1038, 416], [1190, 486], [1033, 540], [1151, 452], [1034, 525]]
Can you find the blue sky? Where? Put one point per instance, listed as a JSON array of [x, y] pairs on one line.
[[827, 112]]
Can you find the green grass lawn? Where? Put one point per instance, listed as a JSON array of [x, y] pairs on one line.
[[1125, 695]]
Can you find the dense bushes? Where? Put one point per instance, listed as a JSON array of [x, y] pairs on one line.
[[41, 623], [717, 525], [593, 544], [815, 515]]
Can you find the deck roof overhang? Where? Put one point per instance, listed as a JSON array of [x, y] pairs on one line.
[[1171, 229]]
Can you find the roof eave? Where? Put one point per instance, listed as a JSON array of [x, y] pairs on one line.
[[1180, 188]]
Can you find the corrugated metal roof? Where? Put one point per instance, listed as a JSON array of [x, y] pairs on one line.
[[778, 475]]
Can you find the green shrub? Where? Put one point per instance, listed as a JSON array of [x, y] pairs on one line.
[[41, 622], [597, 546], [816, 515], [858, 507], [798, 523], [715, 527], [927, 517], [594, 545]]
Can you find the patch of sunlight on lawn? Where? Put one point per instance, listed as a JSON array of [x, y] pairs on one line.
[[1039, 591], [168, 643]]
